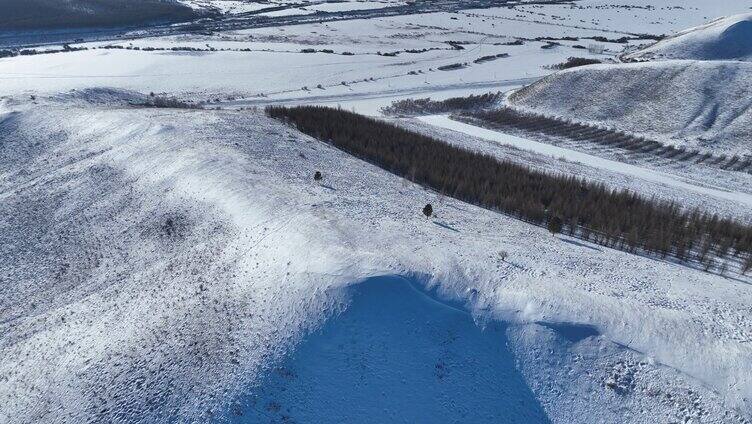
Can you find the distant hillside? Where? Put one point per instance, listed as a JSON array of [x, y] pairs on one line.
[[691, 103], [723, 39], [63, 14]]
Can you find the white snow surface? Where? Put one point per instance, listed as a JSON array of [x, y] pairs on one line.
[[161, 260], [728, 38], [696, 104], [157, 264]]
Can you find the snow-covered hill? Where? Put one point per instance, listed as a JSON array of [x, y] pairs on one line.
[[696, 104], [159, 263], [183, 265], [728, 38], [690, 94]]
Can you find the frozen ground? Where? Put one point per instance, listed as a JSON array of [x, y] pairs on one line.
[[165, 265]]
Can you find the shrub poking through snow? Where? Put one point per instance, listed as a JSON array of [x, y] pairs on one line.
[[428, 210], [317, 176], [592, 211]]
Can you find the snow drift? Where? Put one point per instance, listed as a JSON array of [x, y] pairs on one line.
[[728, 38], [697, 104], [367, 366]]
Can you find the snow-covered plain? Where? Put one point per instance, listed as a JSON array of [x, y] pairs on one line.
[[163, 265], [281, 71]]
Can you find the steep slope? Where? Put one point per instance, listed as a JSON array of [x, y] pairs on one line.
[[728, 38], [695, 104]]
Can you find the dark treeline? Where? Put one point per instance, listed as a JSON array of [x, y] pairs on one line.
[[619, 219], [574, 62], [530, 122], [452, 104]]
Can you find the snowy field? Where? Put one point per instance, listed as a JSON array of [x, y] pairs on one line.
[[268, 61], [182, 265]]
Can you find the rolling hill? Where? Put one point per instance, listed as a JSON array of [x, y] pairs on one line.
[[693, 104], [728, 38]]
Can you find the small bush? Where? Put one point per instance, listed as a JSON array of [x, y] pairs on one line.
[[428, 210], [555, 224]]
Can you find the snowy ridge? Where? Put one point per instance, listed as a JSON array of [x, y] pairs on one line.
[[728, 38], [642, 98], [173, 254]]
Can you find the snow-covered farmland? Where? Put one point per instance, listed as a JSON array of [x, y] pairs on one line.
[[390, 54]]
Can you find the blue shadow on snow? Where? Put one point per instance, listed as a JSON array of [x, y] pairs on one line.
[[395, 355]]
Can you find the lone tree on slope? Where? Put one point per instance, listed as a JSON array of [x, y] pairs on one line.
[[555, 224], [428, 210]]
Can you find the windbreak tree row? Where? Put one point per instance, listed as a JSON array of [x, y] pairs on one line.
[[453, 104], [531, 122], [616, 218]]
